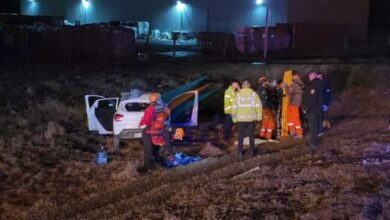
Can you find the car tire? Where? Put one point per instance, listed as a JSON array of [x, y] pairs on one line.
[[117, 144]]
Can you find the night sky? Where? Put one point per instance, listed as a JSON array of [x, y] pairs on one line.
[[379, 14], [9, 6]]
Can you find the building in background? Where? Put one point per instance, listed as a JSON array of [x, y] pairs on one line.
[[165, 15]]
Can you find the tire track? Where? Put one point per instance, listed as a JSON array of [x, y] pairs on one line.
[[156, 196]]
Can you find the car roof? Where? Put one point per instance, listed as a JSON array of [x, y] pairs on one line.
[[143, 98]]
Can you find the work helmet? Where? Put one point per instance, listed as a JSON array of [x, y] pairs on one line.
[[179, 134], [153, 97], [262, 79]]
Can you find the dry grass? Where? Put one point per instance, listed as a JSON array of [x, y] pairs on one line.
[[47, 156]]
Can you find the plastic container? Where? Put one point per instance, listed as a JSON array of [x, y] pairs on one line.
[[101, 156], [388, 149]]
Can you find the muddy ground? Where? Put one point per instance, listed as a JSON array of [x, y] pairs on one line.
[[47, 168]]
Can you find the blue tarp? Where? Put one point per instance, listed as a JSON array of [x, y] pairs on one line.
[[181, 159]]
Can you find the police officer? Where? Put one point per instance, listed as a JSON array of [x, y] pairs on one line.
[[230, 95], [246, 110], [311, 106], [326, 97]]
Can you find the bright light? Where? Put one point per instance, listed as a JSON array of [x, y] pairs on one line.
[[31, 0], [259, 2], [180, 6], [85, 3]]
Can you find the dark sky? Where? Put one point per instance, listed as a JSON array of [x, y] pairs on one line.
[[9, 6], [379, 14]]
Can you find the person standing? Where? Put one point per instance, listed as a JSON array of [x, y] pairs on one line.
[[326, 97], [264, 91], [230, 95], [154, 132], [246, 110], [311, 106], [294, 93], [278, 101]]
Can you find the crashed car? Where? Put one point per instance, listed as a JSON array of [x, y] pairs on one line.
[[121, 117]]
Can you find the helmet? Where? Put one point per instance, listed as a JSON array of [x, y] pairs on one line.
[[153, 97], [262, 79], [179, 134]]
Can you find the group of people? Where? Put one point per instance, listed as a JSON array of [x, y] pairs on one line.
[[246, 107]]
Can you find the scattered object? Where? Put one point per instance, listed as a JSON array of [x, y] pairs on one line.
[[179, 134], [257, 141], [389, 124], [374, 162], [181, 159], [246, 173], [387, 148], [210, 150], [101, 156], [326, 124]]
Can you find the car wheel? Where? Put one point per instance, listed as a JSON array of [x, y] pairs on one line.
[[117, 144]]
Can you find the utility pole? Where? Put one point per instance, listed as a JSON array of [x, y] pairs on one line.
[[266, 32]]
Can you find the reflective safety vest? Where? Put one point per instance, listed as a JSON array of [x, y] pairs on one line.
[[230, 95], [246, 106]]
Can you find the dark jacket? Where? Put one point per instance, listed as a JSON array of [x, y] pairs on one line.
[[266, 96], [312, 97], [326, 92]]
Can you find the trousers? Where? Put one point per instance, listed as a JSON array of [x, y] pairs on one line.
[[313, 119], [268, 124], [293, 120], [227, 127], [250, 128], [153, 152]]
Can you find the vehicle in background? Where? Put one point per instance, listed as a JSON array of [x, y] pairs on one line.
[[121, 117]]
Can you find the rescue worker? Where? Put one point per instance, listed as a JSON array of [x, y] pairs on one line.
[[150, 150], [230, 94], [326, 96], [294, 93], [278, 100], [311, 106], [265, 93], [246, 110]]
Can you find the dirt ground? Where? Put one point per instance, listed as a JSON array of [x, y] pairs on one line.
[[47, 168]]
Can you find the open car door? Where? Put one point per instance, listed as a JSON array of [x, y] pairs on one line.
[[103, 111], [184, 109], [89, 101]]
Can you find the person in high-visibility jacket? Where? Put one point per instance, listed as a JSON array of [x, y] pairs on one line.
[[246, 110], [230, 95]]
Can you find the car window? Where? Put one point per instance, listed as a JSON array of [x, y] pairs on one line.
[[136, 107], [106, 104]]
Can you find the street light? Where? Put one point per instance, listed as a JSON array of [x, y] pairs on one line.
[[180, 6], [259, 2], [85, 3], [262, 2]]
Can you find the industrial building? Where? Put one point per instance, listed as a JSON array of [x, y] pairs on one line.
[[206, 15], [296, 27]]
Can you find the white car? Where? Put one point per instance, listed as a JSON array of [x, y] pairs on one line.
[[108, 116]]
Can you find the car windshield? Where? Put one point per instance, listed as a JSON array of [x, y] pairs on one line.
[[136, 107]]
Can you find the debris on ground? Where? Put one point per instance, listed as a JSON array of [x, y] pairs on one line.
[[209, 150]]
